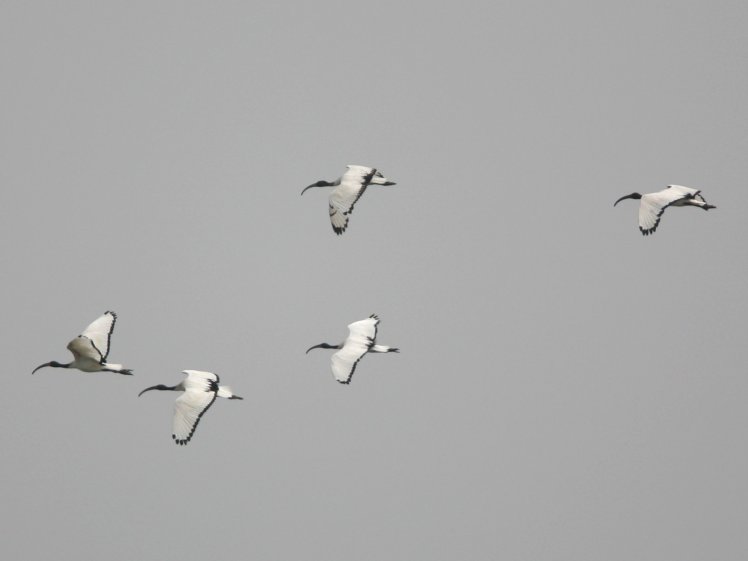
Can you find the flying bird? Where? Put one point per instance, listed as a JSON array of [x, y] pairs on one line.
[[200, 391], [348, 190], [362, 339], [654, 204], [91, 348]]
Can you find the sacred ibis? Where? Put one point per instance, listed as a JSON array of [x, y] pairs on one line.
[[348, 190], [200, 391], [654, 204], [362, 339], [91, 348]]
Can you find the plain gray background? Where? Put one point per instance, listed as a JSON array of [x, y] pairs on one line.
[[567, 389]]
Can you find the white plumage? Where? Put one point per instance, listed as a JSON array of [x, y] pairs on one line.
[[361, 339], [91, 348], [200, 390], [653, 205], [348, 190]]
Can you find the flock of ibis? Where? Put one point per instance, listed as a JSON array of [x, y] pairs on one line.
[[200, 389]]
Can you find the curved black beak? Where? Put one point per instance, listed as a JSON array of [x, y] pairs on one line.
[[42, 366], [321, 346], [312, 185], [151, 388], [631, 196]]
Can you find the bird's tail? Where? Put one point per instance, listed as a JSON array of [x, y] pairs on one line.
[[380, 179], [383, 349], [118, 369], [225, 391]]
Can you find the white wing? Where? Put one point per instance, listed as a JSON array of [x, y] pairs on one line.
[[201, 381], [686, 191], [83, 347], [361, 338], [689, 192], [654, 204], [200, 391], [99, 333], [352, 185], [188, 409]]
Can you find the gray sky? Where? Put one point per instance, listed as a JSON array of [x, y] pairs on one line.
[[567, 389]]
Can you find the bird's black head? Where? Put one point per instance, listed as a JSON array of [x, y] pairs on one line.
[[631, 196]]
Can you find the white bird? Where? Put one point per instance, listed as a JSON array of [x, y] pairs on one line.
[[362, 339], [91, 348], [654, 204], [348, 190], [200, 391]]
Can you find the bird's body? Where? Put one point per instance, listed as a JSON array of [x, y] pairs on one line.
[[361, 339], [91, 348], [200, 390], [348, 189], [653, 205]]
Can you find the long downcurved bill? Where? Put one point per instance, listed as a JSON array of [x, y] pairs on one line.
[[309, 187], [624, 197], [148, 389], [42, 366], [320, 346]]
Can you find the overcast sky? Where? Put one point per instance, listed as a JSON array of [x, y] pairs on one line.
[[567, 389]]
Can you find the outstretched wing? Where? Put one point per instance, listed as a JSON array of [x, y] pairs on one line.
[[99, 333], [188, 410], [654, 204], [361, 338], [689, 192], [83, 347], [200, 391], [201, 381], [352, 185]]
